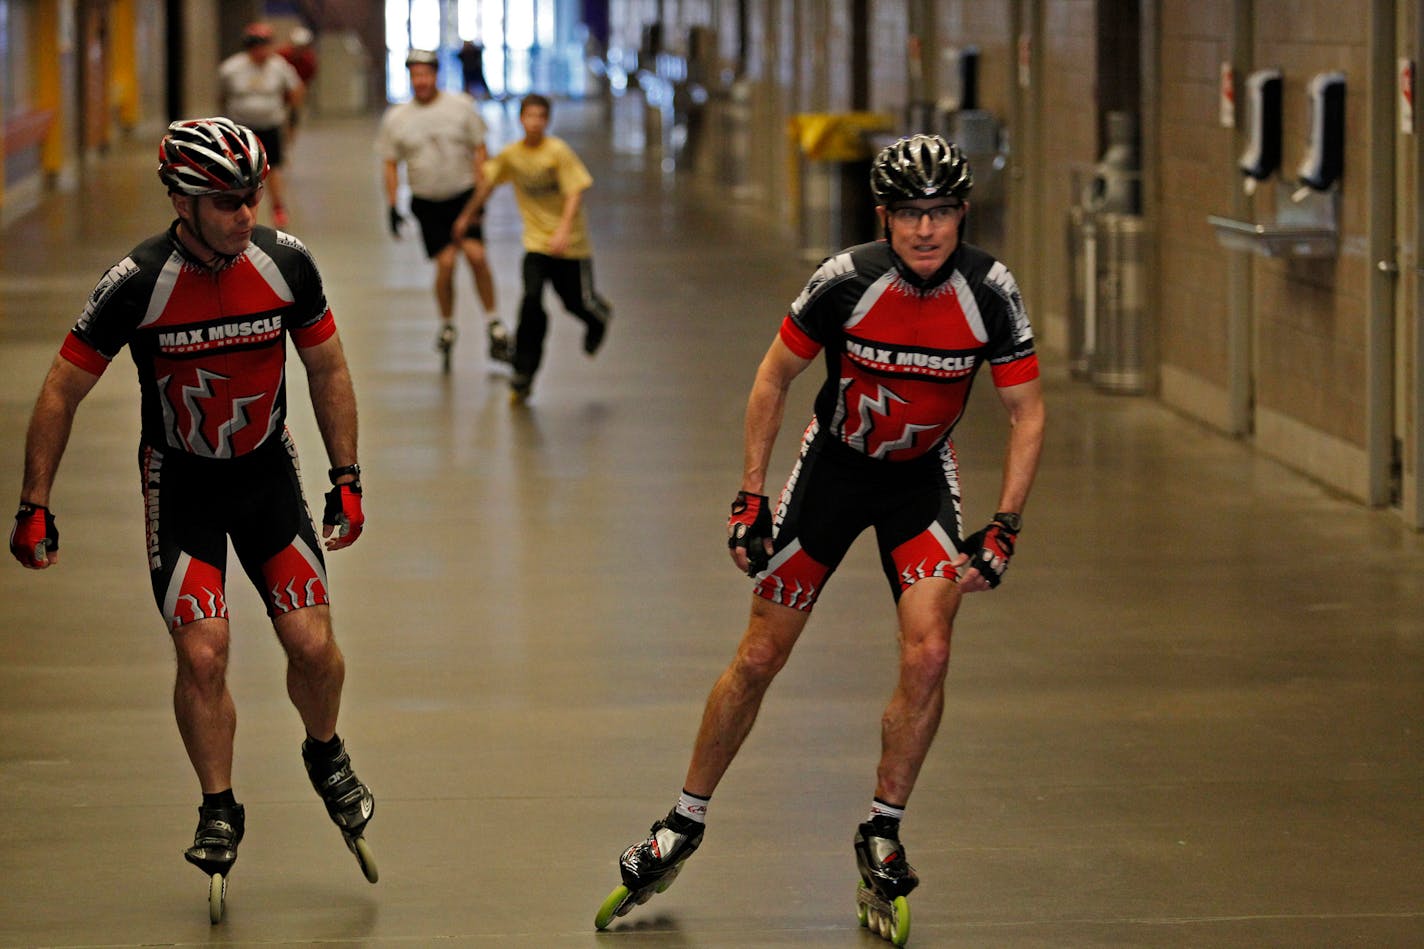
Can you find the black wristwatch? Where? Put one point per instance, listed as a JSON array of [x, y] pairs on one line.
[[336, 473], [1009, 519]]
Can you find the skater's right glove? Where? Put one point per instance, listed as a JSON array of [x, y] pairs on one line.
[[343, 516], [989, 551], [34, 540], [749, 530], [397, 221]]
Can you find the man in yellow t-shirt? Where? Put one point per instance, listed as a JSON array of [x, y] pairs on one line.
[[549, 182]]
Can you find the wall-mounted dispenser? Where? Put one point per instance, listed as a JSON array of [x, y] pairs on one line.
[[1263, 127], [1325, 149]]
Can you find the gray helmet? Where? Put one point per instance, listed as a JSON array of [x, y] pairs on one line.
[[422, 57], [920, 166], [210, 156]]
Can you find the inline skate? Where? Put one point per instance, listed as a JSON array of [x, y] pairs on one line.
[[886, 879], [651, 865], [349, 802], [501, 349], [214, 851]]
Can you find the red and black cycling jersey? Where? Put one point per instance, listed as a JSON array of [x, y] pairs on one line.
[[210, 346], [901, 351]]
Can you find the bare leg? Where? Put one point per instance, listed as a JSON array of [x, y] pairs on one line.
[[275, 188], [479, 267], [910, 721], [736, 698], [202, 704], [445, 282], [316, 670]]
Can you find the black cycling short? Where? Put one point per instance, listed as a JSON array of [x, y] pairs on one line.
[[437, 220], [193, 505], [835, 492], [272, 140]]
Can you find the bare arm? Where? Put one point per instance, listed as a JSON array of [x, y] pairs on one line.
[[390, 176], [65, 386], [559, 240], [1027, 415], [333, 399], [765, 407]]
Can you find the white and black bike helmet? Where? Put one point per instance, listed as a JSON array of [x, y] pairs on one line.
[[210, 156], [920, 166]]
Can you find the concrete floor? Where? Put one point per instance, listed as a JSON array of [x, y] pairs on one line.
[[1190, 718]]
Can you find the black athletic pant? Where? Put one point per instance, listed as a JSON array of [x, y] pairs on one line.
[[572, 280]]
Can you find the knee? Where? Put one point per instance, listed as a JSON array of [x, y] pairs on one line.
[[202, 660], [926, 659], [758, 661]]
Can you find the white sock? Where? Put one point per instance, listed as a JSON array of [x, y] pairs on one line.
[[693, 807], [879, 808]]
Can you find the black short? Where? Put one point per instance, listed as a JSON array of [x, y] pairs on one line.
[[835, 492], [194, 505], [272, 140], [437, 219]]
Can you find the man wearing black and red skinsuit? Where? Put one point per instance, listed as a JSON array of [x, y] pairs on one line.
[[205, 310], [904, 324]]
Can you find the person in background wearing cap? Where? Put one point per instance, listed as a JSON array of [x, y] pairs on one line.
[[440, 138], [260, 90]]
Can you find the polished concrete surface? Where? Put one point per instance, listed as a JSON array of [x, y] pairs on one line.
[[1191, 717]]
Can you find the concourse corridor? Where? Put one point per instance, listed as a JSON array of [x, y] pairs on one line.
[[1190, 717]]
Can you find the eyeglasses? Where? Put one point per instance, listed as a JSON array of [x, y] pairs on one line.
[[227, 202], [939, 214]]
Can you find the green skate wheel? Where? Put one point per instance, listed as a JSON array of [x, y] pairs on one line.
[[217, 896], [900, 925], [366, 858], [610, 908]]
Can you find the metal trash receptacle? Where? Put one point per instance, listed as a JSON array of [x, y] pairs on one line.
[[1082, 289], [1120, 359]]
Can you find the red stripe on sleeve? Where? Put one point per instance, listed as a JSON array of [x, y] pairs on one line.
[[797, 341], [319, 332], [81, 354], [1016, 372]]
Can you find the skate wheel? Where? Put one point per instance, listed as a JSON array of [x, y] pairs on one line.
[[217, 897], [900, 924], [366, 858], [610, 908]]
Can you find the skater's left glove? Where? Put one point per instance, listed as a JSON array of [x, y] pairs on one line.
[[34, 540], [989, 551], [749, 529], [343, 516]]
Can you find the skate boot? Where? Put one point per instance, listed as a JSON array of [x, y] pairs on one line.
[[886, 880], [520, 388], [214, 851], [349, 802], [500, 347], [651, 865], [445, 344]]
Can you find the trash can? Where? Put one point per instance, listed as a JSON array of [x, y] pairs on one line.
[[1082, 289], [831, 179], [1120, 356]]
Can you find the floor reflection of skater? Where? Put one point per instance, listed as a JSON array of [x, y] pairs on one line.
[[205, 310], [906, 324]]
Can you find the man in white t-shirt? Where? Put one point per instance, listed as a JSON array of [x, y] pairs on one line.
[[440, 138], [259, 89]]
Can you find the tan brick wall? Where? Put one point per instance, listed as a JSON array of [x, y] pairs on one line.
[[1194, 175], [1311, 315]]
